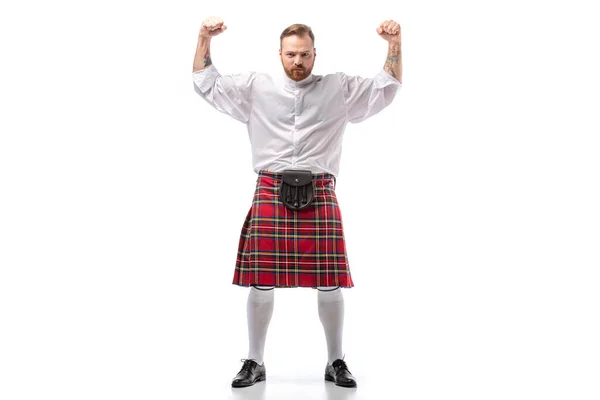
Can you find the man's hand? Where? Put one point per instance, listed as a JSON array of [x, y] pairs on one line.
[[212, 26], [390, 31]]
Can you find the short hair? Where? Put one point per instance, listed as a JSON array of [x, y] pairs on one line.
[[297, 29]]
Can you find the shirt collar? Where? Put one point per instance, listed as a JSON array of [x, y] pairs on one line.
[[292, 83]]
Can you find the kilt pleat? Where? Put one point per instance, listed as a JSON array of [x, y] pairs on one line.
[[285, 248]]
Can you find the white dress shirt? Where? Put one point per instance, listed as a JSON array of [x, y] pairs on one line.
[[296, 125]]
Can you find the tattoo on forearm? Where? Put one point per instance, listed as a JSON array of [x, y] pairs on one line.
[[207, 60], [392, 63]]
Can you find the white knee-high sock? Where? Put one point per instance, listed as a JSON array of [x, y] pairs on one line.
[[331, 314], [259, 310]]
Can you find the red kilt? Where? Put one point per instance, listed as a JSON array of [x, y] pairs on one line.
[[284, 248]]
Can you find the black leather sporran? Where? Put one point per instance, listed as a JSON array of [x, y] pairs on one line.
[[296, 189]]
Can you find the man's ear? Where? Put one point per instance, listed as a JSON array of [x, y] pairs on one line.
[[279, 52], [315, 52]]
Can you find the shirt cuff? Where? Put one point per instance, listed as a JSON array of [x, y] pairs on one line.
[[205, 79], [387, 78]]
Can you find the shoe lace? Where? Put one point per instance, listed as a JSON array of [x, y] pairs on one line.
[[248, 362], [340, 364]]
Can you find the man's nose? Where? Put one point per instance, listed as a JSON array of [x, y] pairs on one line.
[[298, 61]]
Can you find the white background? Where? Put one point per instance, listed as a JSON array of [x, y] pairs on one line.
[[470, 204]]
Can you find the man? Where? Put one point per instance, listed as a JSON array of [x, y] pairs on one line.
[[293, 234]]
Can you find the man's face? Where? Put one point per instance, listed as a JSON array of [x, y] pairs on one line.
[[297, 56]]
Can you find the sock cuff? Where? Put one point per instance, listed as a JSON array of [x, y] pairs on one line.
[[331, 296], [261, 296]]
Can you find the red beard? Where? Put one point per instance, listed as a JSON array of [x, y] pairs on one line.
[[298, 73]]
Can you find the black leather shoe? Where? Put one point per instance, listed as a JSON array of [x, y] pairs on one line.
[[250, 373], [338, 373]]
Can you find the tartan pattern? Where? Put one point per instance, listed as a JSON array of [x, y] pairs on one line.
[[284, 248]]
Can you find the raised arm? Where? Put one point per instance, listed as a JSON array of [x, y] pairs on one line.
[[230, 94], [365, 97], [211, 26], [390, 31]]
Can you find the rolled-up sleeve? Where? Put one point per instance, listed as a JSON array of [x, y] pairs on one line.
[[365, 97], [230, 94]]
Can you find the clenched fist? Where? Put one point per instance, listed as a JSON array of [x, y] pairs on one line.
[[212, 26], [389, 30]]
